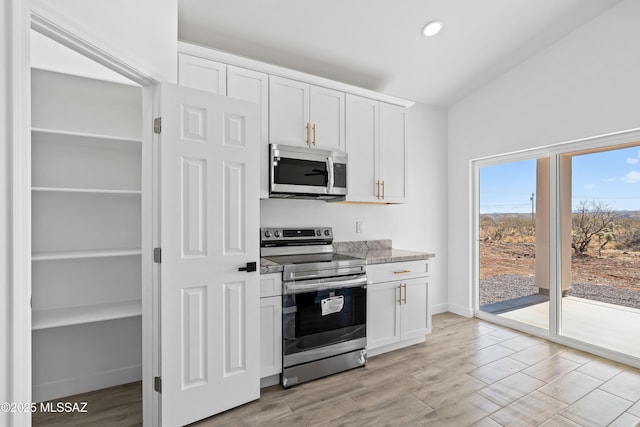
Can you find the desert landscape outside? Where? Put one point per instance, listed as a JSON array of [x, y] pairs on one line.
[[605, 234]]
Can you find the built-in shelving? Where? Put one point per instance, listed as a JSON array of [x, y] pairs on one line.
[[83, 190], [66, 316], [84, 135], [52, 256], [86, 198]]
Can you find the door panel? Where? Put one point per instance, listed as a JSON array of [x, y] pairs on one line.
[[202, 74], [383, 314], [362, 146], [288, 111], [209, 225], [327, 114], [253, 86], [414, 310], [393, 163]]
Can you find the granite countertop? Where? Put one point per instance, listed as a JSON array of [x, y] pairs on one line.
[[374, 251], [381, 256], [268, 266]]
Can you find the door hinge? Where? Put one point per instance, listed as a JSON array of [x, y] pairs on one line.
[[157, 255], [157, 125], [157, 384]]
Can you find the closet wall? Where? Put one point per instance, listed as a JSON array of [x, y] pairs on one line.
[[86, 234]]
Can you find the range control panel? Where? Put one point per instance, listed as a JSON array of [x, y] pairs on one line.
[[295, 235]]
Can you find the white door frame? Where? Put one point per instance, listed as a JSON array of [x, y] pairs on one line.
[[22, 19]]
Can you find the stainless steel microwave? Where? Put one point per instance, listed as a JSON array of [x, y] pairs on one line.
[[307, 173]]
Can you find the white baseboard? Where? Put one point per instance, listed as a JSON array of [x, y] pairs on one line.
[[460, 310], [83, 384], [439, 308]]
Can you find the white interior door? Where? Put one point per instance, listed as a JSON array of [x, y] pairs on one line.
[[209, 215]]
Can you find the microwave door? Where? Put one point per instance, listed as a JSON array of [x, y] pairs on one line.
[[294, 175]]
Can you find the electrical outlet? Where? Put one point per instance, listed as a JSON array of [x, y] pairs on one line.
[[358, 226]]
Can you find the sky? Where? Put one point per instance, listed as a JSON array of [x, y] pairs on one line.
[[611, 177]]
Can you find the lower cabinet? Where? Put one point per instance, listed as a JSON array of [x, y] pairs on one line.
[[271, 336], [398, 312], [270, 328]]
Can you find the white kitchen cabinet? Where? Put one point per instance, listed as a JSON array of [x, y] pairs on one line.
[[270, 336], [306, 115], [252, 86], [383, 314], [392, 154], [86, 157], [397, 305], [363, 138], [270, 328], [202, 74], [234, 82], [376, 145]]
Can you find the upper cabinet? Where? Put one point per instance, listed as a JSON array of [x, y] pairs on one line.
[[202, 74], [377, 151], [309, 111], [306, 115], [393, 154]]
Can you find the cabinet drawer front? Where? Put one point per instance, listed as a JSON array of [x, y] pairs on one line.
[[270, 285], [397, 271]]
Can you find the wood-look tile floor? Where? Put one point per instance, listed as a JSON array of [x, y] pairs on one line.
[[468, 373]]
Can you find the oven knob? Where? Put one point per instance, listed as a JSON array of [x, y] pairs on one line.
[[327, 232], [267, 234], [276, 233], [318, 233]]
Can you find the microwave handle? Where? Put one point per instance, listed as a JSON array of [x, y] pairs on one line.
[[330, 178]]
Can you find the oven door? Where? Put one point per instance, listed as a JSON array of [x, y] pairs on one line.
[[299, 170], [323, 317]]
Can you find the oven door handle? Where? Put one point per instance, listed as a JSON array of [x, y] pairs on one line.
[[323, 284]]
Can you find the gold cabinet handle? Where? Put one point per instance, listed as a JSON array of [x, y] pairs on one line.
[[383, 190], [404, 299], [400, 293], [378, 191], [314, 134], [402, 272], [308, 142]]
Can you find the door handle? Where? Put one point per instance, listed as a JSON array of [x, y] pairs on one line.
[[250, 267]]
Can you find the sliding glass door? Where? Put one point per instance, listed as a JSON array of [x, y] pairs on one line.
[[558, 243], [513, 283], [601, 274]]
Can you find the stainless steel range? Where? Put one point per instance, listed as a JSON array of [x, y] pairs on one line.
[[324, 303]]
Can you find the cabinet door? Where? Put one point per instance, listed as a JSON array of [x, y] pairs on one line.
[[288, 111], [270, 336], [202, 74], [383, 314], [393, 155], [252, 86], [414, 310], [326, 113], [362, 145]]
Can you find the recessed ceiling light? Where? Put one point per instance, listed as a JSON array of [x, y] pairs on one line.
[[432, 28]]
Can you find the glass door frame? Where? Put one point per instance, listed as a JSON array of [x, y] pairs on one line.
[[554, 153]]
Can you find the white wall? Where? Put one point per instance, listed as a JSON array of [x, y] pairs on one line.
[[141, 33], [418, 225], [586, 84], [5, 244]]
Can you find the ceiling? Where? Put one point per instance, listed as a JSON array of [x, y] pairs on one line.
[[377, 44]]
